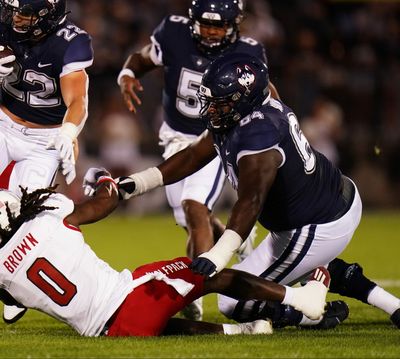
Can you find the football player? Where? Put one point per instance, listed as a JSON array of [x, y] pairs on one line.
[[44, 97], [184, 46], [309, 207], [39, 240]]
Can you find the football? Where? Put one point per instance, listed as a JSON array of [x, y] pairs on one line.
[[4, 52]]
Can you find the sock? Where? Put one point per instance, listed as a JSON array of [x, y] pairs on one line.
[[378, 297], [288, 296], [231, 329], [309, 322]]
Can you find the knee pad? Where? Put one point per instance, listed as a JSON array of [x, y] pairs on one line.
[[348, 280]]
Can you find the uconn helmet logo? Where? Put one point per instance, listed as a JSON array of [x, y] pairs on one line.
[[246, 76]]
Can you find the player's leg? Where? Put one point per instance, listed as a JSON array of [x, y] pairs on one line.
[[244, 286], [285, 257], [349, 280]]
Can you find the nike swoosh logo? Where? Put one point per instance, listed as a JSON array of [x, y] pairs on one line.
[[227, 152], [40, 65]]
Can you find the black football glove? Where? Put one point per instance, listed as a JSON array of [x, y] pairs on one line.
[[126, 187], [203, 266]]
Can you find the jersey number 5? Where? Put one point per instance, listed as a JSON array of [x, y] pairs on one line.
[[51, 282]]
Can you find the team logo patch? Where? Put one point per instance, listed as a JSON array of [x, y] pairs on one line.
[[246, 76]]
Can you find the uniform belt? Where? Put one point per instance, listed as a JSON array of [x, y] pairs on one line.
[[347, 190]]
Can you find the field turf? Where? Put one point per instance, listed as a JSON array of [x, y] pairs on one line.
[[129, 241]]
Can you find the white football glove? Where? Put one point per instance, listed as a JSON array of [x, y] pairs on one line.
[[64, 145], [6, 70], [91, 178], [68, 170]]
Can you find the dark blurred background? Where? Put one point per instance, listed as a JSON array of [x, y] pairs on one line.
[[336, 63]]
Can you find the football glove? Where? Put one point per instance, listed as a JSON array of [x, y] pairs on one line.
[[91, 179], [64, 145], [6, 70], [203, 266], [68, 170], [126, 187]]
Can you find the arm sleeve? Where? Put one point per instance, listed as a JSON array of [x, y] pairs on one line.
[[78, 55]]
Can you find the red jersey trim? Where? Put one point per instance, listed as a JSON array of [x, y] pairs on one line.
[[70, 226]]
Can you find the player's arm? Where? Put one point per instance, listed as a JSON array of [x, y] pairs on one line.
[[136, 65], [256, 175], [174, 169], [74, 90], [104, 201]]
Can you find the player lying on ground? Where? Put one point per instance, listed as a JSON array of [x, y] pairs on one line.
[[47, 266]]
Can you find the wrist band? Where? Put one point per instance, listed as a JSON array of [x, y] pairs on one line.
[[69, 129], [125, 72]]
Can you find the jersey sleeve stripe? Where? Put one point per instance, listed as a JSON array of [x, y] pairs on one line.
[[75, 66]]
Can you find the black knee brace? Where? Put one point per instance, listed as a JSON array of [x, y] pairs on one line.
[[348, 280]]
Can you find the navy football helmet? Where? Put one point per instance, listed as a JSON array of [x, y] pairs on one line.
[[227, 14], [45, 16], [231, 87]]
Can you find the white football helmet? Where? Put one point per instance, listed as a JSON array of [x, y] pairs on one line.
[[14, 203]]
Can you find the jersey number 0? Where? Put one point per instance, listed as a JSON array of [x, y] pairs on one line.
[[51, 282]]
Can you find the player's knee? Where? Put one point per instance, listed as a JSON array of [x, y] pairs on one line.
[[348, 280], [196, 214]]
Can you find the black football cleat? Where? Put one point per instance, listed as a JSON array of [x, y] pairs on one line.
[[336, 313], [395, 318]]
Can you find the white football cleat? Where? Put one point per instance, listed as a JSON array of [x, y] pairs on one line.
[[311, 298], [194, 311], [257, 327], [247, 246], [12, 313]]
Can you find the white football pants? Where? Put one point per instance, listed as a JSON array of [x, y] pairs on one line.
[[288, 257], [35, 166], [204, 186]]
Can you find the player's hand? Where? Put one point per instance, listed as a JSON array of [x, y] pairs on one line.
[[6, 70], [64, 145], [68, 170], [129, 86], [126, 187], [202, 265], [90, 179]]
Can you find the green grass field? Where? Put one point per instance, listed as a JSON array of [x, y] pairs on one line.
[[128, 242]]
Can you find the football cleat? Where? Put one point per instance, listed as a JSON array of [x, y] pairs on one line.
[[247, 246], [395, 318], [257, 327], [13, 313], [336, 313], [194, 311]]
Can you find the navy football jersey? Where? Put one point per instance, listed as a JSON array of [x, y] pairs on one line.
[[33, 91], [184, 65], [306, 189]]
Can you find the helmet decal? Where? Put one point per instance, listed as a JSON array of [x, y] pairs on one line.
[[246, 76]]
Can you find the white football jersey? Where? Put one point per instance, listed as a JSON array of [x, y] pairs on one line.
[[48, 266]]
